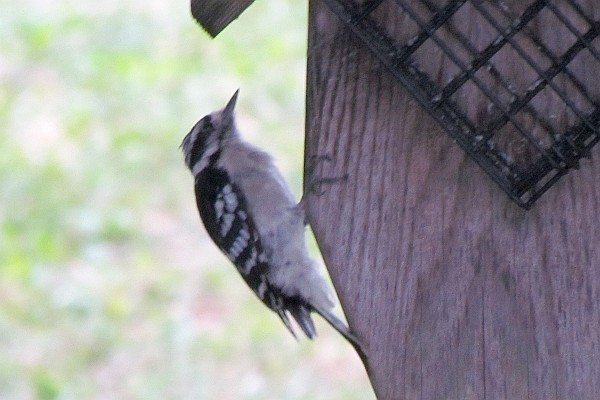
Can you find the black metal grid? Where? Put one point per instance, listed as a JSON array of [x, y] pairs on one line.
[[537, 123]]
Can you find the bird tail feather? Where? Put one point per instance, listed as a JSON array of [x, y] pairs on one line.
[[343, 330]]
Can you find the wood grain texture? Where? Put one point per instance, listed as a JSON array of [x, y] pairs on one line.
[[455, 292], [215, 15]]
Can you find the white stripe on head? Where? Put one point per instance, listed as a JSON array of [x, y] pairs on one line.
[[203, 162]]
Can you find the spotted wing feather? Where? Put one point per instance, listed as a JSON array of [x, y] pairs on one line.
[[222, 208]]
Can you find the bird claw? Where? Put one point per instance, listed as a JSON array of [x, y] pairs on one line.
[[314, 185], [314, 161]]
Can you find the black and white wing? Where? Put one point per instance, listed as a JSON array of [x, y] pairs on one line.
[[222, 208]]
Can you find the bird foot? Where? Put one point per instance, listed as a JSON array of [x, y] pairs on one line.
[[314, 184]]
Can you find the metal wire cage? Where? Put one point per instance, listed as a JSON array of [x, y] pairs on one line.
[[516, 90]]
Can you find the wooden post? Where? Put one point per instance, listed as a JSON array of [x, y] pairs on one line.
[[455, 292]]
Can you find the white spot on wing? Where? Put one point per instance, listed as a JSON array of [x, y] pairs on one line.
[[235, 250], [243, 241], [231, 201], [262, 288], [219, 208], [250, 262], [244, 233], [262, 257], [226, 223], [238, 246]]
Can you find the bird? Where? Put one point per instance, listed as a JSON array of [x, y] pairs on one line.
[[250, 213]]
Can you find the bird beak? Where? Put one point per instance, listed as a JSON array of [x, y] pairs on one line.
[[229, 108]]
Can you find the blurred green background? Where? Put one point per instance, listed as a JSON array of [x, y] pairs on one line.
[[109, 287]]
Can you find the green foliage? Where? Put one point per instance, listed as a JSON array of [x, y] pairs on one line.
[[109, 287]]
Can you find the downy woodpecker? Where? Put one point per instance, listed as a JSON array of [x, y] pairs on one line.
[[250, 213]]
